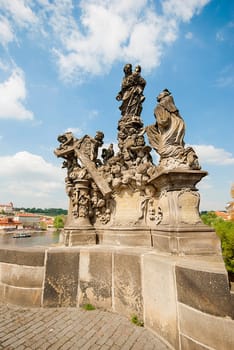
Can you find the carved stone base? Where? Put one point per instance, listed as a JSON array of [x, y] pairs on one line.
[[84, 235], [186, 240], [181, 230], [140, 237]]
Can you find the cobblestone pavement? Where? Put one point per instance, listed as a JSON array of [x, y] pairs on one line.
[[71, 328]]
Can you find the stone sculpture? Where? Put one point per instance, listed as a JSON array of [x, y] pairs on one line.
[[124, 198], [85, 186], [131, 92], [167, 135]]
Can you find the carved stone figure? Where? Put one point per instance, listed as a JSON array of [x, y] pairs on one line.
[[131, 93], [66, 140], [124, 198], [89, 146], [83, 182], [107, 153], [166, 136]]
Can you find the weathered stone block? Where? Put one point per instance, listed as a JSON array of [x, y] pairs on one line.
[[208, 330], [127, 215], [95, 280], [186, 239], [2, 290], [29, 297], [79, 236], [206, 291], [189, 344], [132, 237], [160, 297], [22, 276], [61, 280], [23, 256], [127, 284]]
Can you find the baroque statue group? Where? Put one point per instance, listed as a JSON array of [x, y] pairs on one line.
[[94, 182]]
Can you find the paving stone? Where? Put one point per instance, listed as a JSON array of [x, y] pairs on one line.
[[71, 329]]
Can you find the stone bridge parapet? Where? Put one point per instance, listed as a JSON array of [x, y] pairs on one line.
[[185, 300]]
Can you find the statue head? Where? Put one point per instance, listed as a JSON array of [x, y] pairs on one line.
[[138, 69], [99, 136], [65, 137], [127, 69], [163, 94]]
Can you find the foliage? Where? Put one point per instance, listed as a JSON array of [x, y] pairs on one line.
[[59, 221], [89, 307], [135, 320], [225, 231], [209, 218], [48, 211], [43, 226]]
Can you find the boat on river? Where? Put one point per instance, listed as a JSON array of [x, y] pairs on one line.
[[22, 235]]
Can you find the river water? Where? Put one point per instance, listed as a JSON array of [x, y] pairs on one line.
[[37, 239]]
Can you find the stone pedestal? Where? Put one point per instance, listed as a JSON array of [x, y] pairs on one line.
[[84, 235], [181, 230], [128, 226], [78, 228], [125, 236]]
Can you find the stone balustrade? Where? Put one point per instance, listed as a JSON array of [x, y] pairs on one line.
[[185, 300]]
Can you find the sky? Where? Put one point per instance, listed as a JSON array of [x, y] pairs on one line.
[[61, 66]]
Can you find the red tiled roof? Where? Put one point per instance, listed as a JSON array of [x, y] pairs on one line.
[[26, 215], [7, 221], [222, 214]]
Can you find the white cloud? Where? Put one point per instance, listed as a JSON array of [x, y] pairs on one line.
[[88, 36], [19, 11], [27, 179], [6, 32], [16, 15], [211, 154], [4, 66], [183, 10], [12, 96], [112, 31], [108, 32], [76, 131]]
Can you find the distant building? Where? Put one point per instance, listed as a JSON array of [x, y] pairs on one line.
[[9, 224], [28, 220], [48, 221], [222, 214], [7, 208]]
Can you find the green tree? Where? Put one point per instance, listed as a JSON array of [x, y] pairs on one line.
[[209, 218], [59, 222], [225, 231], [47, 211], [43, 226]]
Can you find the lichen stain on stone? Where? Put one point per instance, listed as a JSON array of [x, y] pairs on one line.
[[64, 288]]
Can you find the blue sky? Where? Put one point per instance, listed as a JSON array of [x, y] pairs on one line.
[[61, 67]]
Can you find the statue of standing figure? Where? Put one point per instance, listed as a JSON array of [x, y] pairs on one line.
[[166, 136], [131, 93]]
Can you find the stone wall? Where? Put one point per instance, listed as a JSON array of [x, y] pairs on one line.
[[185, 300], [22, 276]]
